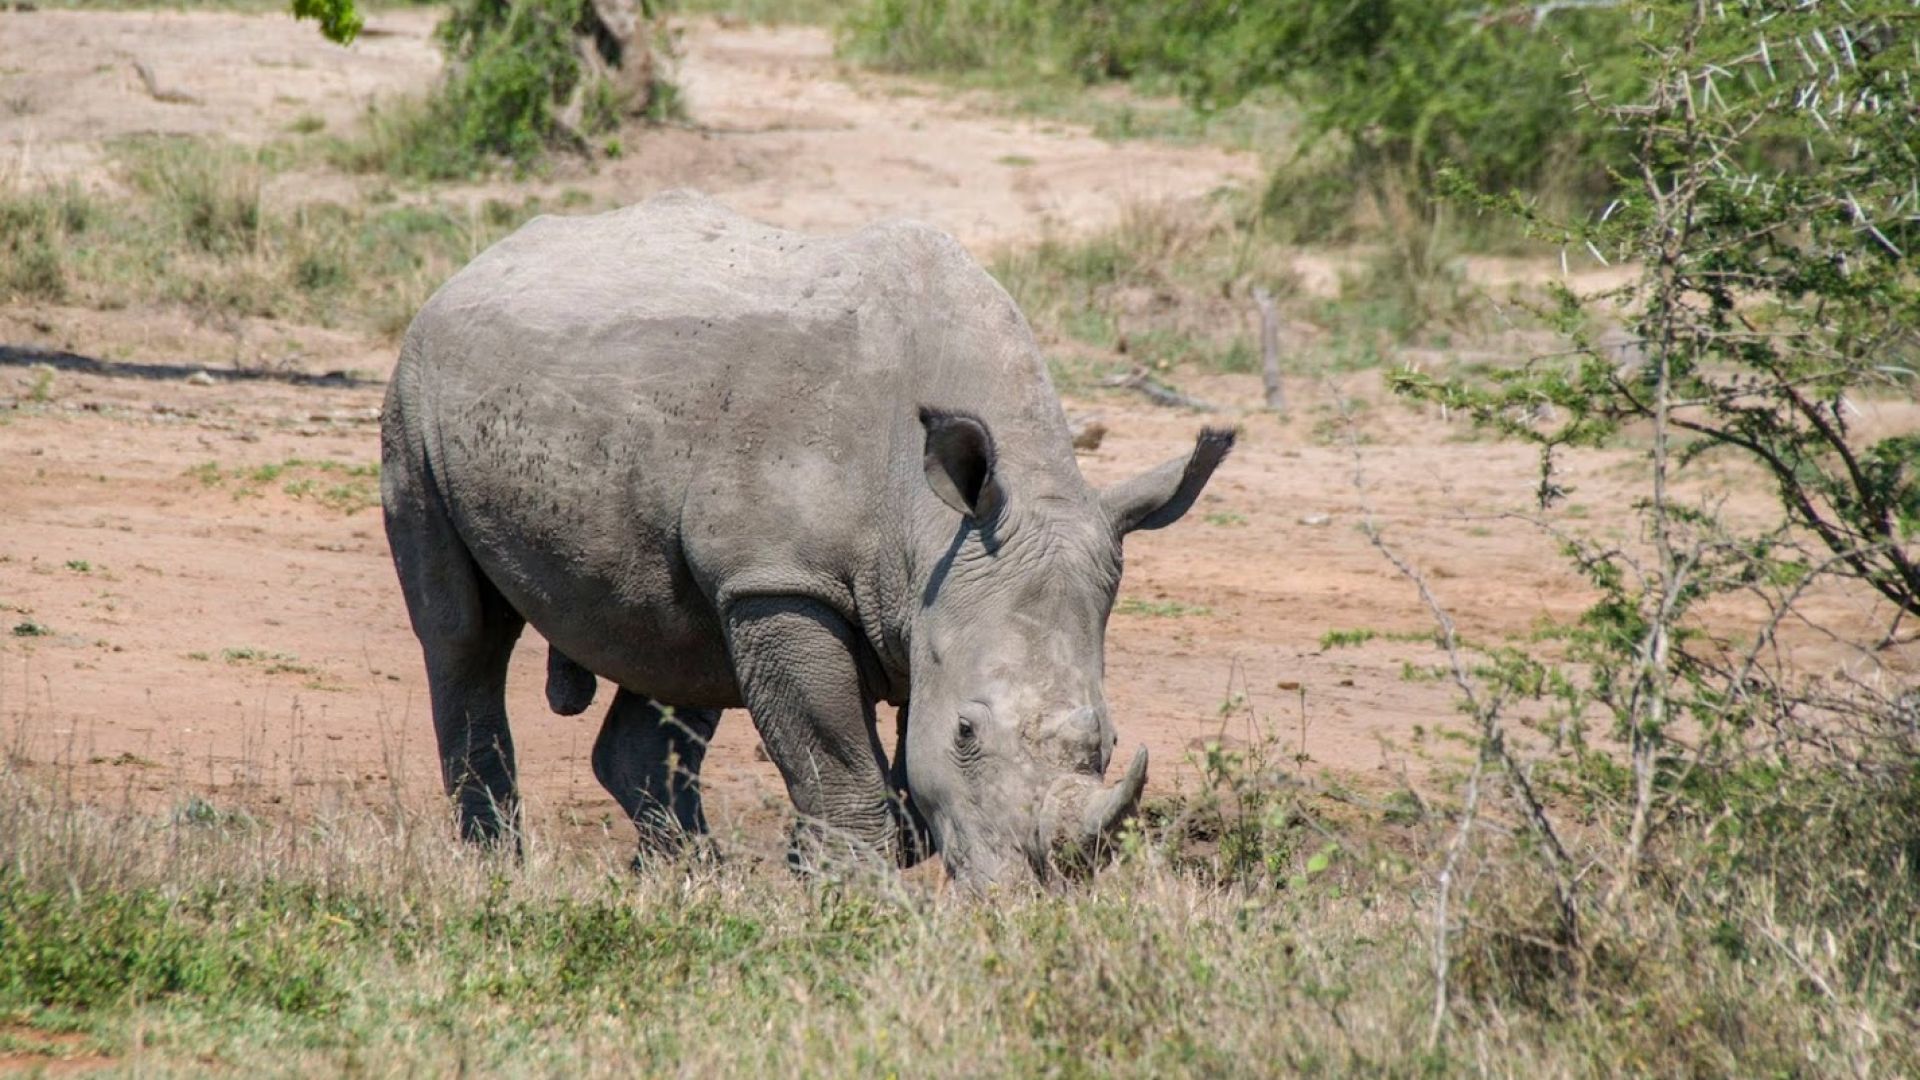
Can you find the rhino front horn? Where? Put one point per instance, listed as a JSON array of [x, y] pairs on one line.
[[1107, 809]]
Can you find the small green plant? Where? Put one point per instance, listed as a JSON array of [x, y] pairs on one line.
[[80, 566], [40, 390], [31, 628], [1346, 639], [356, 486], [1420, 673], [1245, 824]]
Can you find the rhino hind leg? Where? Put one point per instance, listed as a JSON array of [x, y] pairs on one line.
[[467, 631], [648, 757], [570, 687]]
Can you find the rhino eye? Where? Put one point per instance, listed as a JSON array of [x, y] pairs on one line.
[[966, 738]]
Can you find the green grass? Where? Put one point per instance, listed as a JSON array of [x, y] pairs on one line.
[[195, 231], [249, 7], [1347, 639], [337, 485], [1153, 290], [1160, 609], [1242, 925], [33, 263], [1120, 113], [1170, 288], [1065, 63], [775, 12]]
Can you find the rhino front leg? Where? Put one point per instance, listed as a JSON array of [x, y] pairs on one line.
[[648, 758], [795, 660]]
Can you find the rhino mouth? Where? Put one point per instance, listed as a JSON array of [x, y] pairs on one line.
[[1079, 819]]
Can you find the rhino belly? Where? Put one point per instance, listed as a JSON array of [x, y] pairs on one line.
[[632, 615]]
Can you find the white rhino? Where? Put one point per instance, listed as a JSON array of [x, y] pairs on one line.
[[724, 465]]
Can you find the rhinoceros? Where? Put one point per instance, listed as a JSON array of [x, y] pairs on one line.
[[724, 465]]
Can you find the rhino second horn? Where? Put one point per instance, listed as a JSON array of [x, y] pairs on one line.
[[1107, 809]]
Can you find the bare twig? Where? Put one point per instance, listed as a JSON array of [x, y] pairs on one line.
[[1492, 750], [1156, 391]]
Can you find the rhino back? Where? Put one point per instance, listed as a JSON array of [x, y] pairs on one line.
[[635, 417]]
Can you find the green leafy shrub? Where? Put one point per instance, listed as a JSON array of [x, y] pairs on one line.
[[517, 87], [1399, 87], [513, 66], [1737, 802]]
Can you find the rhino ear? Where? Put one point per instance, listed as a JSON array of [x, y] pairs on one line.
[[1156, 499], [960, 462]]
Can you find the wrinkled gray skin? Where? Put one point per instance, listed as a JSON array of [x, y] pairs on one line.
[[724, 465]]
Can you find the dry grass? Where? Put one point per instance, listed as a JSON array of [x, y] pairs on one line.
[[192, 228], [359, 940]]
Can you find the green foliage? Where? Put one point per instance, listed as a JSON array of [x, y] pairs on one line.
[[340, 20], [513, 70], [1246, 825], [1063, 37], [1391, 89], [1251, 920], [1163, 288], [1409, 86], [1765, 187], [40, 391], [514, 66], [1779, 290]]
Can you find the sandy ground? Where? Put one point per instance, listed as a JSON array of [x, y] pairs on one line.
[[163, 637], [774, 127]]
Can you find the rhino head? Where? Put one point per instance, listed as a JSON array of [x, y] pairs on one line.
[[1009, 739]]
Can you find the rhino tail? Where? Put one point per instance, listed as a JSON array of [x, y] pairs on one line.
[[570, 687]]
